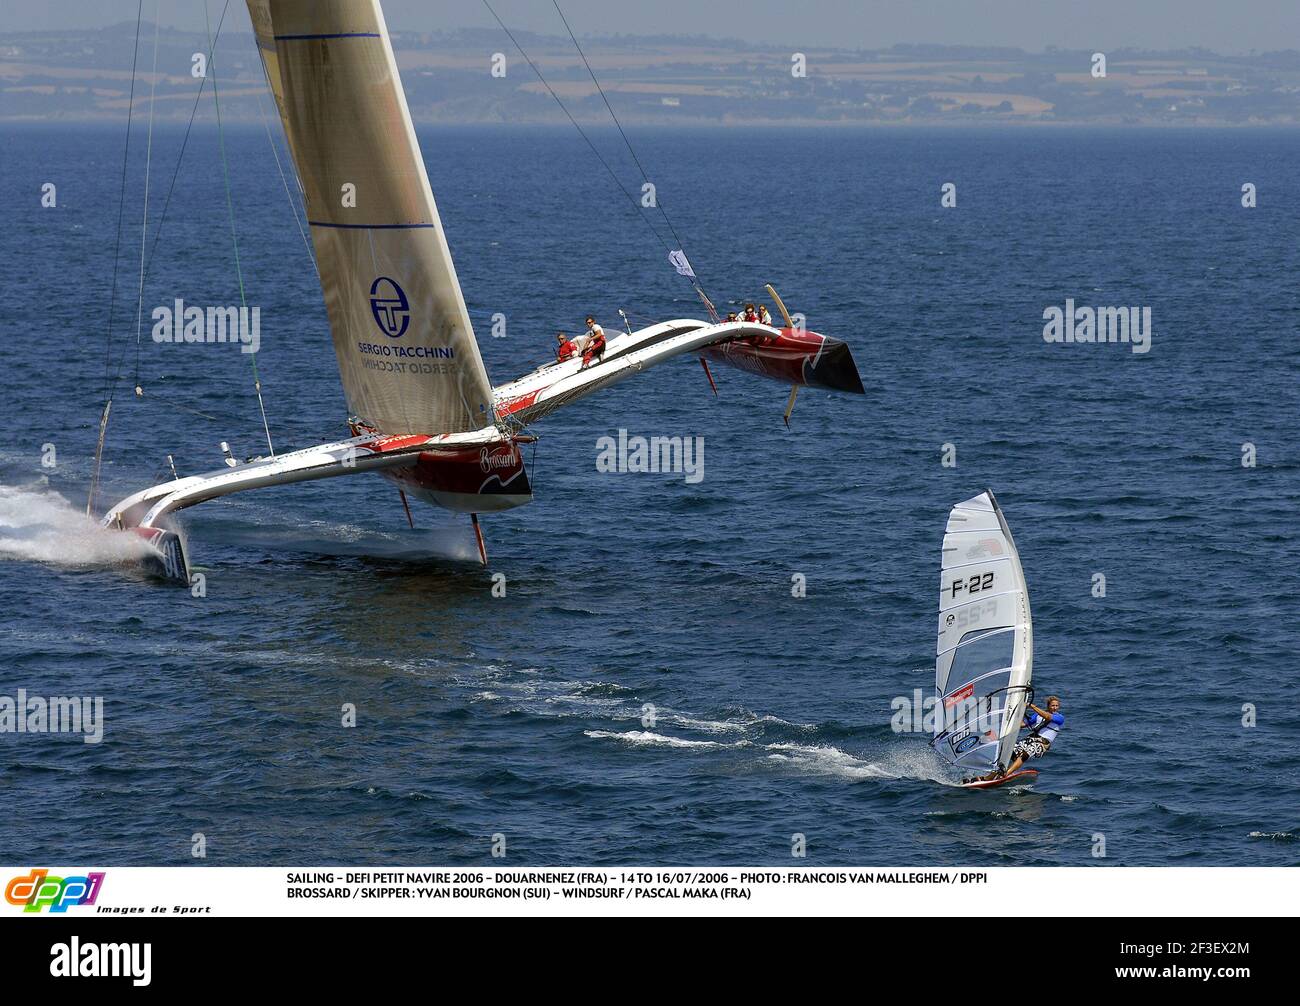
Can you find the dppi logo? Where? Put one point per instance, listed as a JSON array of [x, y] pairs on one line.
[[391, 309], [39, 890]]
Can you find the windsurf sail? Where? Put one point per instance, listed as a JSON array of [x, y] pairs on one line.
[[406, 350], [985, 653]]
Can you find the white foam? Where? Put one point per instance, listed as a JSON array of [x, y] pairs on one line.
[[38, 524], [826, 761], [910, 762], [643, 738], [706, 726]]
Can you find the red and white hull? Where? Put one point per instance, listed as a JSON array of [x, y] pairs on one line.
[[470, 480]]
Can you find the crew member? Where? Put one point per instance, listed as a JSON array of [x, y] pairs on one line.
[[595, 346]]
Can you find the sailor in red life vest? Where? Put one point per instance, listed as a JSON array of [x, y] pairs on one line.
[[595, 346], [564, 348], [750, 313]]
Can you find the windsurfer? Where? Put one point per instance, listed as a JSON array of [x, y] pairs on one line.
[[1044, 725]]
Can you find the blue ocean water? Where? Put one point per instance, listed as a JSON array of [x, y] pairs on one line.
[[522, 716]]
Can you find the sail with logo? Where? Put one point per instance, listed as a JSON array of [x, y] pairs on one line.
[[985, 652], [407, 354]]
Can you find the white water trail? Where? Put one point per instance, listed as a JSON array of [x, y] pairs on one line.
[[38, 524], [912, 761], [645, 738]]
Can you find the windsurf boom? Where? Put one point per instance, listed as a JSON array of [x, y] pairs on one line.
[[984, 657], [423, 411]]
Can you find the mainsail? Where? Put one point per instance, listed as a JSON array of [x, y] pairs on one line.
[[985, 652], [407, 354]]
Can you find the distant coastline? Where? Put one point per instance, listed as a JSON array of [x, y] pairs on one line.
[[82, 77]]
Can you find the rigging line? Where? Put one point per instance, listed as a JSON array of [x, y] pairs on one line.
[[644, 175], [177, 405], [232, 420], [121, 205], [221, 416], [293, 205], [230, 208], [112, 297], [162, 218], [148, 162], [564, 108]]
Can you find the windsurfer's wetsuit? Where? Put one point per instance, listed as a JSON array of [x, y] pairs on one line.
[[1044, 731]]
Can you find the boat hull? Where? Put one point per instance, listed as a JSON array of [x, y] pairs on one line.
[[165, 555], [795, 356], [470, 480]]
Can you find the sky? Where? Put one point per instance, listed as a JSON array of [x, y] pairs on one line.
[[1230, 28]]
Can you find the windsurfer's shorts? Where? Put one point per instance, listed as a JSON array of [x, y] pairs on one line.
[[1030, 748]]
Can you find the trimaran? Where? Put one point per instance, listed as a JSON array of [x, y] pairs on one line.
[[422, 411]]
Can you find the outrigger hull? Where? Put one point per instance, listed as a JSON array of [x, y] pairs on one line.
[[165, 555], [797, 357], [470, 473]]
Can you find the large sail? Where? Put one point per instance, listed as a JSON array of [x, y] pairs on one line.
[[406, 351], [985, 652]]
